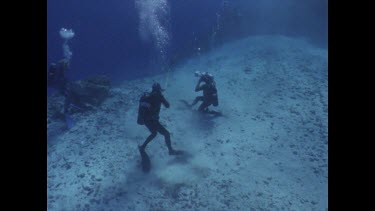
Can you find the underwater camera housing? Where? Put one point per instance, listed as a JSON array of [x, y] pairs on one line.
[[205, 76]]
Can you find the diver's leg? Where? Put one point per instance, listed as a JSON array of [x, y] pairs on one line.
[[204, 106], [145, 162], [167, 137], [197, 99], [152, 128], [162, 130]]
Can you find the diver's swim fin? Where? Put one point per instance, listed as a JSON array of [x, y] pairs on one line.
[[216, 113], [186, 103], [146, 163], [176, 152]]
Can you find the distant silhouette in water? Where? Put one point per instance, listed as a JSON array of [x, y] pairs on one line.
[[56, 77]]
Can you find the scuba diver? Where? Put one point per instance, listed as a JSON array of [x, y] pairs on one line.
[[148, 115], [56, 76], [209, 93]]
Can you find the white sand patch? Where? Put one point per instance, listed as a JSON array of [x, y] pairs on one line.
[[268, 152], [197, 168]]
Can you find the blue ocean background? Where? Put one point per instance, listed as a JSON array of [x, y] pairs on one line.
[[108, 40], [268, 150]]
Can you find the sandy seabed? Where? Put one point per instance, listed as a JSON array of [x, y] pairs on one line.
[[268, 152]]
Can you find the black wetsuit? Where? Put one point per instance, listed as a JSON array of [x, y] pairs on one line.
[[153, 103], [56, 79], [209, 96]]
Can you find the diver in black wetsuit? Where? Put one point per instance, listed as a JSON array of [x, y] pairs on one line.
[[209, 93], [148, 114], [56, 76]]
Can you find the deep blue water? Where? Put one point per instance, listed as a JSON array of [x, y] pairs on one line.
[[107, 37]]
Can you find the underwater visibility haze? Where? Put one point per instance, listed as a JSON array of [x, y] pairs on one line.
[[187, 105]]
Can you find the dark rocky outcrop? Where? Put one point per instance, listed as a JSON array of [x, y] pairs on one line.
[[88, 93], [79, 97]]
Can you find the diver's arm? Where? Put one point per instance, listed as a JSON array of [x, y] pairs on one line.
[[197, 87], [165, 102]]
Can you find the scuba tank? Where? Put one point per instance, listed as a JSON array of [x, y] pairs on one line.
[[143, 107], [213, 94], [215, 97]]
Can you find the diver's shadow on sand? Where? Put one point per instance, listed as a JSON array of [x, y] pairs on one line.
[[122, 190], [181, 159], [135, 182], [204, 121]]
